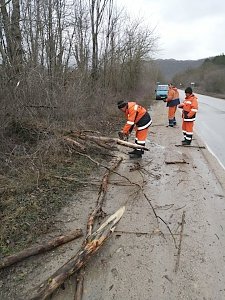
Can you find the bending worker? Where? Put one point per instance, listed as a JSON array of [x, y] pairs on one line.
[[138, 118], [190, 108], [172, 102]]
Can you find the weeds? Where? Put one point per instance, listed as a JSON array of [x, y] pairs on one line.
[[33, 155], [30, 194]]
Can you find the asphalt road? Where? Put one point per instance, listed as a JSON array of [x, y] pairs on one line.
[[210, 124]]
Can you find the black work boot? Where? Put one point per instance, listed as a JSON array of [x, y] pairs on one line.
[[136, 154], [174, 122], [186, 143], [170, 123], [135, 151]]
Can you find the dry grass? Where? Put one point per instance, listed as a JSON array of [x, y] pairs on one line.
[[30, 194], [33, 152]]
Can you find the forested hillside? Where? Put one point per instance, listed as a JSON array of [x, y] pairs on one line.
[[168, 68], [207, 78]]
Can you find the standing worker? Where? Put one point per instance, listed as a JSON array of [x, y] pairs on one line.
[[138, 118], [172, 102], [190, 108]]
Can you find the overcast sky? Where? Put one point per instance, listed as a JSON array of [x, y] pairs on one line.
[[187, 29]]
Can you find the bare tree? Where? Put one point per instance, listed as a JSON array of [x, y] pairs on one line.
[[82, 37], [97, 10], [11, 39]]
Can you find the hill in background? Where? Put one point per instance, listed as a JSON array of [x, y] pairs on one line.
[[209, 77], [171, 67]]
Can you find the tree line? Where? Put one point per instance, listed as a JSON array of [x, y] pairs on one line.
[[208, 78], [57, 56]]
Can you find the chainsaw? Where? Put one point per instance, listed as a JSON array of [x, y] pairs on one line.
[[122, 136]]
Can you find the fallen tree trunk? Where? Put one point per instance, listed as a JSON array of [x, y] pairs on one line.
[[80, 259], [130, 145], [111, 141], [101, 196], [12, 259], [96, 212]]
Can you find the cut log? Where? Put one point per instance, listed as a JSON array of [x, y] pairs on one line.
[[130, 145], [111, 141], [12, 259], [80, 259]]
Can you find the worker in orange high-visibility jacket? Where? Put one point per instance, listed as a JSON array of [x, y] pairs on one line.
[[190, 108], [172, 102], [137, 118]]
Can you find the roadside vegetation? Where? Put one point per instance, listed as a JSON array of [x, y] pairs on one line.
[[63, 67]]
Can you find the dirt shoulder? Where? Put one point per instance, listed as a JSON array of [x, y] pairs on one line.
[[182, 191]]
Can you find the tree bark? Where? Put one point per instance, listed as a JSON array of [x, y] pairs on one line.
[[93, 244], [12, 259], [101, 197], [107, 140]]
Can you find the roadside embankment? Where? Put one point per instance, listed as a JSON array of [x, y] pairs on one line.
[[169, 244]]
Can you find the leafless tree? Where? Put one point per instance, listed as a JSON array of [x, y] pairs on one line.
[[11, 38], [54, 48]]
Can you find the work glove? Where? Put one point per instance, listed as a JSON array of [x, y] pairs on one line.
[[190, 115], [122, 136]]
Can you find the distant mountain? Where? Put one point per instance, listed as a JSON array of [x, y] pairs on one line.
[[171, 67]]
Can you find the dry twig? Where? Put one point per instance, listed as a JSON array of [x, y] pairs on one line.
[[191, 146], [179, 246], [79, 286], [74, 143], [158, 217]]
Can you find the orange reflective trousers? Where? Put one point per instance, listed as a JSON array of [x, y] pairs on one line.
[[141, 136], [187, 128], [171, 112]]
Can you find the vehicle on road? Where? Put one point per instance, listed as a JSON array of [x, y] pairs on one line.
[[161, 91]]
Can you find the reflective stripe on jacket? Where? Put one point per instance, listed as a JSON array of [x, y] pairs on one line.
[[190, 108], [136, 115], [173, 97]]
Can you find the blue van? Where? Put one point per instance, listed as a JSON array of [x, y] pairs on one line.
[[161, 91]]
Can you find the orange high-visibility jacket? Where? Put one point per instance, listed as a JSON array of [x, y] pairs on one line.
[[190, 108], [134, 114], [173, 97]]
